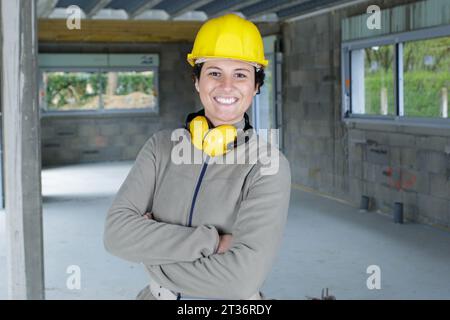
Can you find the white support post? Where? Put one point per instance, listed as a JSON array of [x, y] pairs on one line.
[[444, 102], [357, 83], [21, 123]]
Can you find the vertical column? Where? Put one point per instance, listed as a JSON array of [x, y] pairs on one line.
[[357, 82], [383, 101], [444, 102], [23, 206]]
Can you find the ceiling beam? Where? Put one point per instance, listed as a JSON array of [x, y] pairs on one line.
[[121, 31], [224, 7], [45, 7], [116, 31], [146, 6], [97, 7], [268, 6], [189, 7], [312, 8]]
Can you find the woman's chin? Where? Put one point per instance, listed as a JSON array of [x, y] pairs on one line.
[[225, 108], [225, 113]]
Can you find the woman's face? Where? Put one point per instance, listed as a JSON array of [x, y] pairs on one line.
[[226, 89]]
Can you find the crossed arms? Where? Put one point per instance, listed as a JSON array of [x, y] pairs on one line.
[[197, 260]]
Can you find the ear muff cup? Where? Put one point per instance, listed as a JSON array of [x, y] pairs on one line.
[[214, 142]]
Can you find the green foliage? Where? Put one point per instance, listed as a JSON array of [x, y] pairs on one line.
[[414, 54], [374, 82], [70, 88], [422, 93], [421, 89], [383, 56], [129, 82]]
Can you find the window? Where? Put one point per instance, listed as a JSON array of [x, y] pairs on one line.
[[403, 76], [264, 103], [128, 90], [426, 77], [98, 83], [266, 107]]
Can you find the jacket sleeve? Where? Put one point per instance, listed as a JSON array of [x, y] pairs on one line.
[[257, 232], [133, 237]]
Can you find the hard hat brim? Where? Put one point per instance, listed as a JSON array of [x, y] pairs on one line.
[[192, 59]]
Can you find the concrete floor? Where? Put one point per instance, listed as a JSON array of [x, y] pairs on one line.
[[326, 244]]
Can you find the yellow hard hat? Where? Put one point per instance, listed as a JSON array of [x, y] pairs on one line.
[[230, 37]]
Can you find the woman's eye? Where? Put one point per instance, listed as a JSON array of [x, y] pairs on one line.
[[214, 73], [241, 75]]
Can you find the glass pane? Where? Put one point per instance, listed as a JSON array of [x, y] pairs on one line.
[[266, 102], [128, 90], [70, 90], [426, 78], [373, 81]]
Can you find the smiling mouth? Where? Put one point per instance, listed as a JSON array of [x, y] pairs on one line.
[[226, 101]]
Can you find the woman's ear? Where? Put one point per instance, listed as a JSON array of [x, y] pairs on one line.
[[196, 86], [256, 90]]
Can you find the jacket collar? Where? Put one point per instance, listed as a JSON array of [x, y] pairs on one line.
[[243, 124]]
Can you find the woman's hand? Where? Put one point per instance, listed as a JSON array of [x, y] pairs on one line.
[[149, 215], [225, 241]]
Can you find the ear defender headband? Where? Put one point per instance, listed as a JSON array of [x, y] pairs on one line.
[[213, 141]]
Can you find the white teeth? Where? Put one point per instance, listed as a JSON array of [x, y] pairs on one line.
[[226, 100]]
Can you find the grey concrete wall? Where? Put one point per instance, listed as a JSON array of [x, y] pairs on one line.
[[75, 139], [325, 154]]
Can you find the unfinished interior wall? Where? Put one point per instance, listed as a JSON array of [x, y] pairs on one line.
[[76, 139], [324, 152]]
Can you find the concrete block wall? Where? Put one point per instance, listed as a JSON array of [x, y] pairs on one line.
[[398, 164], [76, 140], [408, 166], [81, 138], [313, 132]]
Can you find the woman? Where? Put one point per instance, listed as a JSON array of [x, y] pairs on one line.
[[208, 229]]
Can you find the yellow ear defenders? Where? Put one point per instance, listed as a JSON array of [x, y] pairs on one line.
[[214, 142]]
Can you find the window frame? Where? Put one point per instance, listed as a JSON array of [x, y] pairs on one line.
[[397, 40], [101, 111]]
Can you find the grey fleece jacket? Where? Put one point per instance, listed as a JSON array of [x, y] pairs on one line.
[[192, 203]]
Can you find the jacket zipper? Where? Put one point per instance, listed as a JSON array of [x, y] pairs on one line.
[[197, 188]]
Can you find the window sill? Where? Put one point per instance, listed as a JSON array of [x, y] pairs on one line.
[[440, 127], [100, 113]]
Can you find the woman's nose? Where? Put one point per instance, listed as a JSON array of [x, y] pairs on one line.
[[227, 83]]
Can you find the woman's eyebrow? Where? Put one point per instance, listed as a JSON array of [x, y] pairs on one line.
[[242, 69], [213, 68], [238, 69]]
